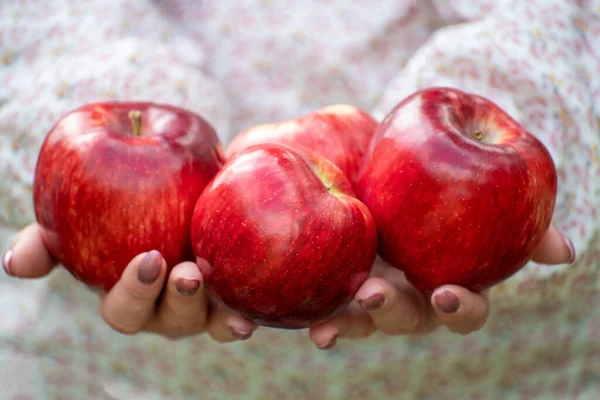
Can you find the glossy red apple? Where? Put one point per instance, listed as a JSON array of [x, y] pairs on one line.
[[460, 191], [117, 179], [339, 132], [280, 237]]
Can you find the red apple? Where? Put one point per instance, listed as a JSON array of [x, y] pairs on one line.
[[280, 237], [460, 191], [117, 179], [339, 132]]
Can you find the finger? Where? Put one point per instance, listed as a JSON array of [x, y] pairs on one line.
[[380, 266], [353, 323], [225, 326], [393, 310], [128, 306], [555, 248], [459, 309], [182, 310], [28, 257]]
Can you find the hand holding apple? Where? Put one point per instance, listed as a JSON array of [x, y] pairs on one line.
[[388, 303], [461, 193], [339, 132], [145, 298], [114, 180], [280, 237], [434, 178]]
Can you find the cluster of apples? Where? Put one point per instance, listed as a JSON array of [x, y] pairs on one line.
[[287, 221]]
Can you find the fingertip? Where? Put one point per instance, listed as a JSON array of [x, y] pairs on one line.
[[394, 309], [204, 266], [187, 286], [186, 279], [183, 307], [150, 267], [555, 248], [461, 310], [28, 257], [225, 326], [570, 247], [324, 335], [7, 261], [352, 323], [373, 293], [130, 303], [240, 328], [327, 344], [445, 301], [452, 299]]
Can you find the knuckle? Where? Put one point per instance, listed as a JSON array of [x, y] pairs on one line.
[[119, 319], [466, 329], [393, 331], [474, 323], [219, 338], [401, 328], [140, 294], [401, 323], [178, 331], [465, 332], [176, 327], [219, 332], [480, 324], [458, 329], [413, 321], [358, 330], [175, 333], [120, 327]]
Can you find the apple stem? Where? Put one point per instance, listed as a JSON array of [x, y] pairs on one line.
[[136, 120], [478, 135]]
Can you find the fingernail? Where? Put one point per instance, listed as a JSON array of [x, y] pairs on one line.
[[204, 267], [373, 302], [149, 268], [329, 344], [447, 302], [6, 260], [186, 286], [240, 334], [569, 244]]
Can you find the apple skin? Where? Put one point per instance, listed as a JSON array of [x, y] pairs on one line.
[[280, 237], [461, 193], [102, 195], [339, 132]]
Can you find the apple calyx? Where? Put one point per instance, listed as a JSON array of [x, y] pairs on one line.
[[487, 136], [329, 175], [136, 121], [332, 190]]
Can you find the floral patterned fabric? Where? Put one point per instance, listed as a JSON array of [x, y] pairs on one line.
[[241, 63]]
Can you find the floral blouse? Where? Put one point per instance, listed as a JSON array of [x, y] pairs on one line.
[[242, 63]]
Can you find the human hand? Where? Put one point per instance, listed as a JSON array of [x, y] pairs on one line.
[[387, 302], [137, 303]]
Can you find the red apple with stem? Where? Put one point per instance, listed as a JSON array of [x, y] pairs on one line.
[[281, 238], [117, 179], [460, 191], [339, 132]]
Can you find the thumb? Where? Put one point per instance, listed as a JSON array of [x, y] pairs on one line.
[[555, 248]]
